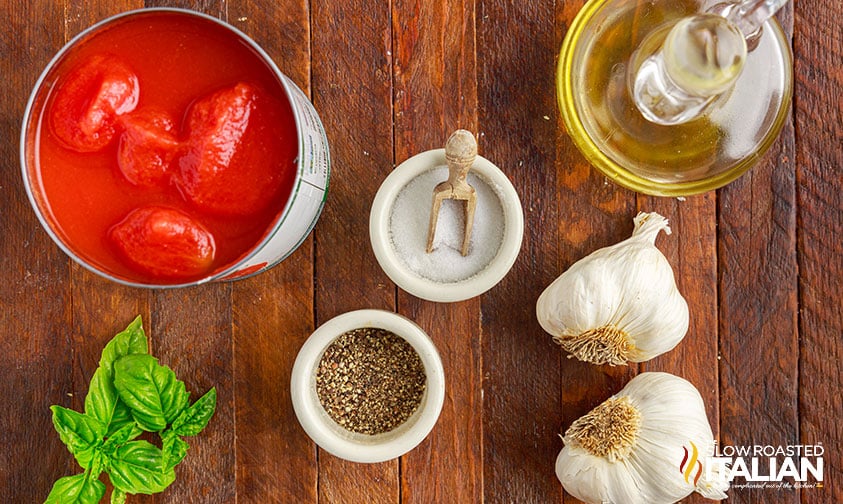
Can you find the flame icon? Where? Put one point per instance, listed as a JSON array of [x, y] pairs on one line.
[[690, 461]]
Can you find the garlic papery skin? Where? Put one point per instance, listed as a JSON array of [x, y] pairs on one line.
[[633, 448], [620, 303]]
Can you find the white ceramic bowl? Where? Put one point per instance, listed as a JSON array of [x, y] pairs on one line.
[[353, 446], [431, 290]]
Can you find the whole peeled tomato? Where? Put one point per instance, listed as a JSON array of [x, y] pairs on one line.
[[237, 152], [164, 242], [89, 100], [148, 146]]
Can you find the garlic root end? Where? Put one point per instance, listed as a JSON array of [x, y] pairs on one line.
[[610, 430], [604, 345]]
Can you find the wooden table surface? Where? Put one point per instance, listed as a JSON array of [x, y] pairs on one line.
[[760, 262]]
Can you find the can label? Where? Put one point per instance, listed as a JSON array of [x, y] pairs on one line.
[[309, 191]]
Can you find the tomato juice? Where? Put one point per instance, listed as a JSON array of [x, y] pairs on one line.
[[169, 112]]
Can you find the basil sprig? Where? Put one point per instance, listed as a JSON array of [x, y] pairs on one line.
[[129, 393]]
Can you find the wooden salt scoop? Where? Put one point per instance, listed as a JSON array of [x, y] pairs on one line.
[[460, 151]]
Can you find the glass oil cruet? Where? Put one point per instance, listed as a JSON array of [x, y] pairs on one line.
[[675, 97]]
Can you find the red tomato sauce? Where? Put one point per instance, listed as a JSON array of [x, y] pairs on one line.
[[179, 61]]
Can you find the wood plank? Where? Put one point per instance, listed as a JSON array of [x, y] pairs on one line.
[[692, 252], [758, 346], [592, 213], [96, 307], [276, 461], [272, 313], [216, 8], [758, 306], [435, 94], [190, 332], [36, 348], [99, 308], [434, 54], [523, 375], [606, 220], [352, 91], [760, 260], [818, 51]]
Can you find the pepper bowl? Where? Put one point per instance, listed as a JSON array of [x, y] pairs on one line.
[[353, 446]]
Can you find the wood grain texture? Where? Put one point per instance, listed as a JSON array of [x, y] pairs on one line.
[[818, 52], [36, 347], [760, 263], [353, 93], [434, 61], [215, 8], [758, 306], [274, 457], [190, 331], [99, 308], [692, 253], [273, 313], [592, 213], [521, 381]]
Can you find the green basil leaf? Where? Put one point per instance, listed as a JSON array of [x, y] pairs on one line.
[[151, 390], [173, 450], [101, 400], [103, 403], [118, 496], [78, 489], [80, 433], [121, 418], [135, 467], [130, 341], [192, 420], [98, 463], [85, 457], [127, 433]]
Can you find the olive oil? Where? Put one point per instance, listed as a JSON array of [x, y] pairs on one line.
[[720, 109], [657, 152]]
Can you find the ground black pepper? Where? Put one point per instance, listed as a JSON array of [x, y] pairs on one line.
[[370, 380]]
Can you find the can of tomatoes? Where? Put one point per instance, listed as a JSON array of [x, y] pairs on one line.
[[164, 148]]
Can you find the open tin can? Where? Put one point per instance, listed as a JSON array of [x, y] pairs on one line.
[[286, 229]]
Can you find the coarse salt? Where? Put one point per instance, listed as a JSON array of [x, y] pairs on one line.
[[409, 220]]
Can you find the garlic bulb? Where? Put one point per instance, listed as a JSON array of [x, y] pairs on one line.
[[618, 304], [647, 444]]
